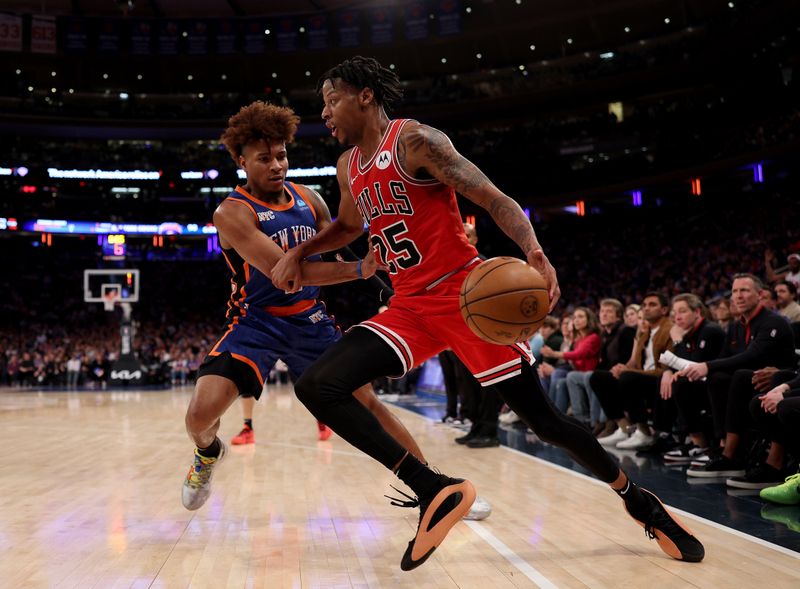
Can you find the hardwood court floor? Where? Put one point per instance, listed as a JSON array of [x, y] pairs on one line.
[[91, 499]]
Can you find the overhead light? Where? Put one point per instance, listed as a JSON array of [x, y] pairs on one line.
[[274, 74], [201, 95], [627, 29], [71, 91], [522, 67], [731, 4], [224, 77], [53, 74], [105, 76], [666, 21], [533, 47], [19, 71], [53, 90], [302, 29], [267, 31], [184, 34], [607, 55], [190, 77], [308, 73], [139, 77], [479, 55], [468, 10], [444, 60], [391, 66], [569, 41], [30, 88], [123, 96]]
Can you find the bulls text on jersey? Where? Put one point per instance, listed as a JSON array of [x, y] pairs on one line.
[[372, 203]]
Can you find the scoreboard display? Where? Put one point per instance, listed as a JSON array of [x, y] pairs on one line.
[[113, 247]]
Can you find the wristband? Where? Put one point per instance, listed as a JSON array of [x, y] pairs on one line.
[[358, 270]]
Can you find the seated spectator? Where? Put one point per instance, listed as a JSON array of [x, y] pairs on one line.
[[698, 340], [554, 369], [767, 299], [627, 390], [777, 414], [760, 338], [790, 273], [583, 355], [632, 316], [616, 346], [786, 295]]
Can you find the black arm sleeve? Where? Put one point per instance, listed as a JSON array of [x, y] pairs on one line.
[[374, 284]]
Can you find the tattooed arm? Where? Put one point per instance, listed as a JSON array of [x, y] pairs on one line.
[[424, 151]]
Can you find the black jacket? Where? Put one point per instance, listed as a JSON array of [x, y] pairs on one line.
[[765, 340], [617, 346], [702, 344]]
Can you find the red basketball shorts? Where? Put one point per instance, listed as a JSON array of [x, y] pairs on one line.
[[420, 326]]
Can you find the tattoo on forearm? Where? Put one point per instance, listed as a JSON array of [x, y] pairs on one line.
[[458, 172], [507, 217]]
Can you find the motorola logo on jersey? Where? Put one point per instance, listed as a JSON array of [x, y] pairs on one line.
[[384, 159]]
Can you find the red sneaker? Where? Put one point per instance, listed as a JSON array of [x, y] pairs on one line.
[[246, 436], [324, 431]]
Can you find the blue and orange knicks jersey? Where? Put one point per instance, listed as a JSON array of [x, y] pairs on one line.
[[287, 225], [415, 226]]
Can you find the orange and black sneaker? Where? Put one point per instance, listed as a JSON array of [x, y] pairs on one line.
[[673, 537], [324, 431], [246, 436], [437, 515]]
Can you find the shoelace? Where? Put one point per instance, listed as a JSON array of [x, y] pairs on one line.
[[198, 478], [793, 478], [397, 502]]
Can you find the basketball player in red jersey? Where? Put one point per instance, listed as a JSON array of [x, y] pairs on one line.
[[400, 178]]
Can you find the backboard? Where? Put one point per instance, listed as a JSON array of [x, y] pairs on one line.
[[99, 283]]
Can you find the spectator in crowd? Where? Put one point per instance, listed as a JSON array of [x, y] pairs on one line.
[[553, 374], [583, 357], [767, 299], [698, 340], [73, 370], [790, 273], [627, 390], [26, 370], [616, 347], [761, 338], [777, 414], [786, 295], [721, 311], [632, 315]]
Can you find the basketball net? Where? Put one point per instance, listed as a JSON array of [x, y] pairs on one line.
[[110, 299]]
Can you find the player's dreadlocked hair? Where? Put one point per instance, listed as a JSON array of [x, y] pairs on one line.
[[259, 120], [366, 72]]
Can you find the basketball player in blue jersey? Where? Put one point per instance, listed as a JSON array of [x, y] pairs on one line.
[[257, 224]]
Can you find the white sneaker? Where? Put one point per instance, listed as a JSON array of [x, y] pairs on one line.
[[639, 439], [508, 418], [613, 439], [480, 509], [197, 484]]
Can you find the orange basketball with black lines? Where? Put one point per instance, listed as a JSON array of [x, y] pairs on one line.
[[504, 300]]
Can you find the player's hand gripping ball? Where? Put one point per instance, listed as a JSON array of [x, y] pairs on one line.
[[504, 300]]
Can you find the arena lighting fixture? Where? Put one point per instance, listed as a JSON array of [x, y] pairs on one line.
[[125, 189], [636, 198], [627, 29], [533, 47], [696, 188], [184, 34], [6, 171], [21, 171], [267, 31], [300, 172], [53, 74], [758, 174], [105, 76], [212, 174], [607, 55], [123, 96], [71, 91], [18, 71], [666, 21], [191, 175], [468, 10], [103, 174], [30, 88], [569, 41]]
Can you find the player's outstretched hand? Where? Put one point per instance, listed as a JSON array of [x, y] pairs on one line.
[[370, 265], [286, 273], [538, 260]]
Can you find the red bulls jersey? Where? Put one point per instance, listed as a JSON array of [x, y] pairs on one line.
[[415, 226]]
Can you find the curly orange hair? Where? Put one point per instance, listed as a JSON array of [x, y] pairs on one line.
[[257, 121]]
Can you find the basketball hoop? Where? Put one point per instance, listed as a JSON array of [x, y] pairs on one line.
[[110, 299]]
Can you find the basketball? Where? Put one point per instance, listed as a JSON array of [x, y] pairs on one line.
[[504, 300]]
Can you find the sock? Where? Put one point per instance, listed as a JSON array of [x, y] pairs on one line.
[[636, 501], [249, 423], [422, 480], [212, 451]]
